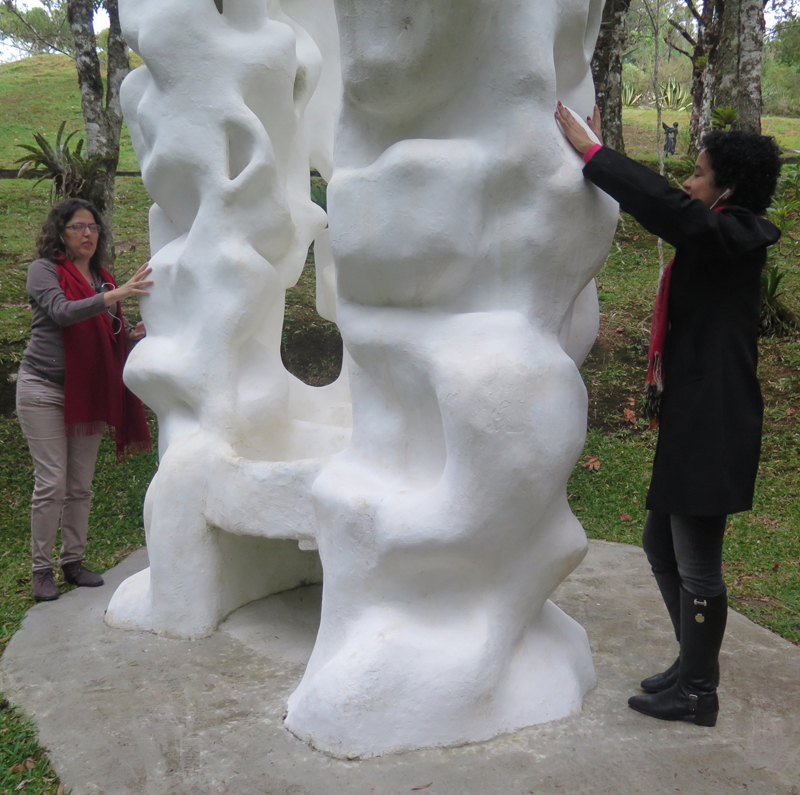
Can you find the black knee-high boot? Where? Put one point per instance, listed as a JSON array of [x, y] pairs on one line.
[[669, 583], [694, 695]]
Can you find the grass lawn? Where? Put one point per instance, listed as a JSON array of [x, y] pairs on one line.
[[639, 125], [762, 558], [36, 95]]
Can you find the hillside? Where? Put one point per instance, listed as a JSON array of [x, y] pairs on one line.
[[36, 95]]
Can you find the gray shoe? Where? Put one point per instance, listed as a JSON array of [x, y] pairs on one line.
[[44, 586], [76, 574]]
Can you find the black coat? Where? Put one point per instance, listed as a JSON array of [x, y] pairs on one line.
[[709, 440]]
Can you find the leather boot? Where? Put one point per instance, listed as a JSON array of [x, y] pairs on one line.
[[694, 695], [44, 586], [669, 583], [659, 682], [76, 574]]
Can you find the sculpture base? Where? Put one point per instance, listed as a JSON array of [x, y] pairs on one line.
[[407, 691]]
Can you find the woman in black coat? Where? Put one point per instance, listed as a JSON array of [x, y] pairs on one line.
[[703, 390]]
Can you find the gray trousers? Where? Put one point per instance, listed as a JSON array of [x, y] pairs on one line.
[[63, 471], [688, 548]]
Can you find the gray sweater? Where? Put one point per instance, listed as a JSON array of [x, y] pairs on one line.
[[51, 310]]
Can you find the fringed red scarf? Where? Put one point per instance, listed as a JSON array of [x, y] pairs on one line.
[[655, 353], [95, 397]]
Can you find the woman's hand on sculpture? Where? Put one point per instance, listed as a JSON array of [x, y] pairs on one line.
[[136, 285], [574, 131], [138, 333], [595, 124]]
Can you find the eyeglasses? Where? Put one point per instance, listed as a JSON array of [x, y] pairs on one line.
[[79, 227]]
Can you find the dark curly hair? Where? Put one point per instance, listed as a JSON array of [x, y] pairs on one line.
[[50, 242], [748, 163]]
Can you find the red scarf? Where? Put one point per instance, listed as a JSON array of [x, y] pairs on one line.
[[95, 397], [655, 353]]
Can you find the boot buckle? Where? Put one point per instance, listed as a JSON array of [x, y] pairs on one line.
[[701, 602], [692, 702]]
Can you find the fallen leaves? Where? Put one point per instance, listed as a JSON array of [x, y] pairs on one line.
[[592, 463], [625, 517], [629, 415], [28, 764], [425, 786]]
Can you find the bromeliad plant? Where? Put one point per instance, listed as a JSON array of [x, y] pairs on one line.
[[784, 213], [724, 118], [675, 96], [776, 317], [630, 97], [72, 176], [789, 184]]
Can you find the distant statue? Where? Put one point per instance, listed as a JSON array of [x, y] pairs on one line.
[[670, 138]]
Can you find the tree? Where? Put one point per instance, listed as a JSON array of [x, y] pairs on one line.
[[67, 26], [607, 71], [703, 36], [751, 49], [37, 30], [786, 40], [737, 68], [102, 112]]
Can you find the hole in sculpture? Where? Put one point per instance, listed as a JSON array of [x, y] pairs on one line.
[[218, 4], [311, 347]]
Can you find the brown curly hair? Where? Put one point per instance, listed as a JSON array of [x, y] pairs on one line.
[[50, 243]]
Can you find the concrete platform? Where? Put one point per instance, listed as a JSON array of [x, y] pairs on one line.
[[129, 713]]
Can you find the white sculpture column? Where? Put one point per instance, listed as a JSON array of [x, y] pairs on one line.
[[463, 234], [225, 125]]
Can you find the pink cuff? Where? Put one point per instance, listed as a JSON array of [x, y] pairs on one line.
[[590, 153]]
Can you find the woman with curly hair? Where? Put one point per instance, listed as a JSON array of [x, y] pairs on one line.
[[702, 387], [69, 387]]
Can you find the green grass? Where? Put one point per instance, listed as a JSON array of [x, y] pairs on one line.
[[639, 125], [37, 93], [23, 762]]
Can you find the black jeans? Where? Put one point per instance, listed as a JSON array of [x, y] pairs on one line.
[[689, 547]]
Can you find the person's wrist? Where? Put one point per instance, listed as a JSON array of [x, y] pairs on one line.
[[111, 297], [591, 152]]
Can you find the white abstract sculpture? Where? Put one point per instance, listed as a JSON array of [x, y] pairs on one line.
[[219, 121], [465, 241], [463, 233]]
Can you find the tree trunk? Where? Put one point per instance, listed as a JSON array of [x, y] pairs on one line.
[[705, 52], [607, 71], [102, 119], [726, 64], [752, 45]]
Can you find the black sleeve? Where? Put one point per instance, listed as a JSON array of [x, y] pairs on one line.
[[668, 212]]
